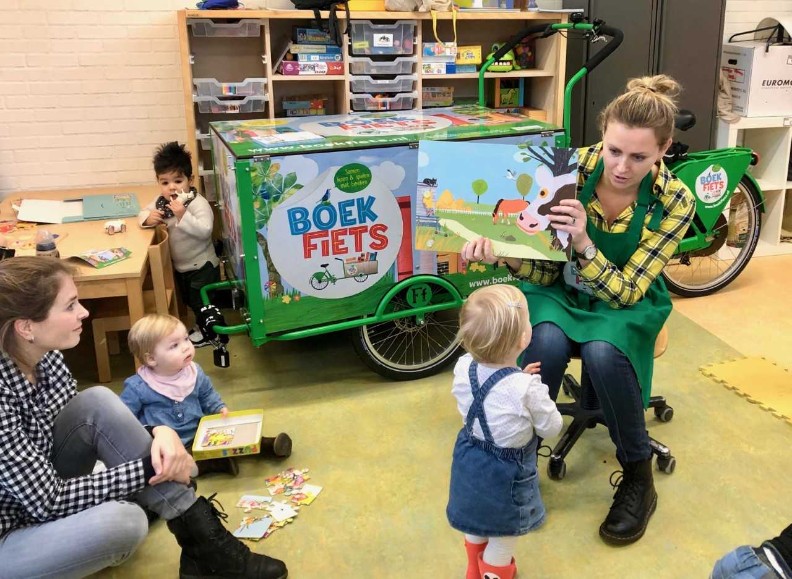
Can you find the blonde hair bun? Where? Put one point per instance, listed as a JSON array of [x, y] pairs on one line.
[[659, 84]]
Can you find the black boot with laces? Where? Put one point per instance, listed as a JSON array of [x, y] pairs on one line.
[[634, 502], [209, 550]]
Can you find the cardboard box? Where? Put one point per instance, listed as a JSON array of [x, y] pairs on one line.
[[761, 82], [237, 434], [291, 67]]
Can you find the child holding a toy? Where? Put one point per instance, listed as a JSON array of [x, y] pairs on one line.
[[494, 494], [170, 389], [189, 219]]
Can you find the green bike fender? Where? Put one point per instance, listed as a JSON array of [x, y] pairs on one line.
[[758, 190]]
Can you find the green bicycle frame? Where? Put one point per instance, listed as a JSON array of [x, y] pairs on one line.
[[712, 177]]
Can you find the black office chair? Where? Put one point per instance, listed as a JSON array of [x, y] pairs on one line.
[[586, 413]]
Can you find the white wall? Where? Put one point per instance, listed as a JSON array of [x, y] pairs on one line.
[[89, 88], [742, 15]]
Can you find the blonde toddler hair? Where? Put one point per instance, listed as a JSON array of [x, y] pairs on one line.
[[148, 331], [492, 321], [648, 103]]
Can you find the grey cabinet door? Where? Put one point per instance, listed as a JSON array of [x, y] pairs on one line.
[[689, 50], [675, 37]]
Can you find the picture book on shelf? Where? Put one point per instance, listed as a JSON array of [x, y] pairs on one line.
[[503, 193]]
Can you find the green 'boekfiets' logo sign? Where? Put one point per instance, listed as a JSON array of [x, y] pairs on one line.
[[352, 178]]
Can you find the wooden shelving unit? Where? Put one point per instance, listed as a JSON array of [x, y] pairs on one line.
[[244, 51], [771, 138]]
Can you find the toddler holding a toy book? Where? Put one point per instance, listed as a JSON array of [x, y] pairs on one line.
[[170, 389], [494, 496]]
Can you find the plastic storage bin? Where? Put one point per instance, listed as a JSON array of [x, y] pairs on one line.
[[243, 28], [370, 38], [248, 87], [248, 104], [205, 139], [437, 96], [368, 66], [369, 102], [209, 186], [373, 85]]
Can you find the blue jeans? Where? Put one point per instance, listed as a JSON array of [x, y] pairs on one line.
[[744, 563], [94, 425], [608, 379]]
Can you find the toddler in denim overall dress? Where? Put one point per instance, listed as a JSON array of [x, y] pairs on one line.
[[494, 492]]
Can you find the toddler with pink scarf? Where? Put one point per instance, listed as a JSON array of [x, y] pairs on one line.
[[171, 389]]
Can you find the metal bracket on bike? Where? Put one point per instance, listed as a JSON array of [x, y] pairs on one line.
[[594, 34]]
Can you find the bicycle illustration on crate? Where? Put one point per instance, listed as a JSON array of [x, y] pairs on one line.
[[357, 268]]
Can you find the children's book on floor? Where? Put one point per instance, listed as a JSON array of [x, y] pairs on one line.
[[503, 192]]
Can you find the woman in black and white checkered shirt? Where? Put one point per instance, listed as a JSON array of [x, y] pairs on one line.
[[57, 517]]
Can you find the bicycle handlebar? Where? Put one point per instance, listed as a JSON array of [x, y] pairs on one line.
[[615, 34], [616, 39]]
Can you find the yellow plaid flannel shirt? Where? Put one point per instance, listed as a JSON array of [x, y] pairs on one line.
[[624, 287]]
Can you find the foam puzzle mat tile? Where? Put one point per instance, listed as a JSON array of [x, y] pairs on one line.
[[758, 380]]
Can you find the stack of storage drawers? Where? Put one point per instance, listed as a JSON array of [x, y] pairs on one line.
[[212, 96], [382, 66]]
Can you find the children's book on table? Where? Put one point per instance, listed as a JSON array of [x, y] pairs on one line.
[[502, 192], [237, 434]]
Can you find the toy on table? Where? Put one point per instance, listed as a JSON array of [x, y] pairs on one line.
[[114, 226]]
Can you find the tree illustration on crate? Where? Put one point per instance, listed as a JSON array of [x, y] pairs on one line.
[[479, 187], [270, 189]]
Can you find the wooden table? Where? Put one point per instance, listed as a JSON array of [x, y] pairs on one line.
[[122, 279]]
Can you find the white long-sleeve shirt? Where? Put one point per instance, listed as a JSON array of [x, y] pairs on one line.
[[515, 408], [190, 237]]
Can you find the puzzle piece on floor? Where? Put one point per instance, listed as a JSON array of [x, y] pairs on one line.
[[305, 495], [253, 528], [287, 481], [282, 511], [249, 502]]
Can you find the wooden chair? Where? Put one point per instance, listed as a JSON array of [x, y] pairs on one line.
[[586, 413], [112, 316]]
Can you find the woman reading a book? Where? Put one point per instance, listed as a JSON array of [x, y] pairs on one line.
[[609, 303], [58, 518]]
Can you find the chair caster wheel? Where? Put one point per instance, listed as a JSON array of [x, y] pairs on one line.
[[556, 469], [666, 464], [664, 413]]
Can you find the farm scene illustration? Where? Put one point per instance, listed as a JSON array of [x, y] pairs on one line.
[[468, 190]]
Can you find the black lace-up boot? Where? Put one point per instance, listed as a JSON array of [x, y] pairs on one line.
[[209, 550], [634, 502]]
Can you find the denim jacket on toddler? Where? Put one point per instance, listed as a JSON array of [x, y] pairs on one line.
[[154, 409]]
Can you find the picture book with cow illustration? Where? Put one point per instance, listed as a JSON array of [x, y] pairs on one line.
[[503, 192]]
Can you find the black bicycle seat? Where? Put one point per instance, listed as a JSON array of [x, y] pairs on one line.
[[324, 265], [684, 120]]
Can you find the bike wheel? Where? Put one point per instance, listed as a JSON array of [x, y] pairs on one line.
[[361, 277], [705, 271], [319, 282], [403, 349]]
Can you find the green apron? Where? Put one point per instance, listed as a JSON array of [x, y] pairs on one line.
[[585, 318]]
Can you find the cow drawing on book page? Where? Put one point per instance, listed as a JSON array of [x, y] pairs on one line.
[[556, 179]]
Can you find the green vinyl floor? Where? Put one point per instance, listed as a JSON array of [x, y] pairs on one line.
[[382, 451]]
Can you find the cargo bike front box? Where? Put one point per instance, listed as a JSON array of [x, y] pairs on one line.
[[318, 218]]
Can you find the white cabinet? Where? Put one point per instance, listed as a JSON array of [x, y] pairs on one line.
[[771, 139]]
